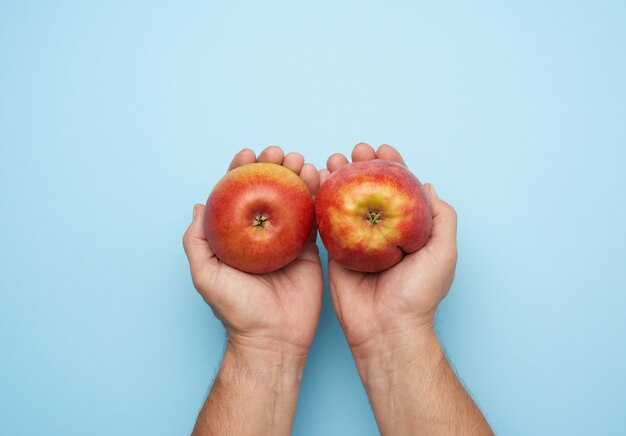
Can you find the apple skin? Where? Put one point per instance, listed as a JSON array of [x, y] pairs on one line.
[[259, 217], [346, 208]]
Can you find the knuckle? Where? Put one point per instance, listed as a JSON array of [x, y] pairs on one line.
[[201, 278], [196, 282], [449, 256], [185, 238], [451, 211]]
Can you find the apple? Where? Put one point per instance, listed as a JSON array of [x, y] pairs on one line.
[[259, 217], [371, 213]]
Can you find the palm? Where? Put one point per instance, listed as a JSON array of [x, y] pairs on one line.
[[368, 304], [282, 305]]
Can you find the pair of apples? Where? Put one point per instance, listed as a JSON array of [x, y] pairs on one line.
[[260, 216]]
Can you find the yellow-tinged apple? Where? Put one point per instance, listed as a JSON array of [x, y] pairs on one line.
[[371, 213]]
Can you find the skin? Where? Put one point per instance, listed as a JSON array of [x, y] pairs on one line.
[[270, 320], [388, 319]]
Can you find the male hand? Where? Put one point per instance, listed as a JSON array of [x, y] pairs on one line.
[[385, 310], [270, 320], [388, 319], [276, 311]]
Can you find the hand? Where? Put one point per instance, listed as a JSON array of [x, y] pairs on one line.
[[388, 319], [275, 312], [388, 310]]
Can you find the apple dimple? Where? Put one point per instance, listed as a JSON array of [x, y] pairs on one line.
[[257, 211], [374, 217], [260, 220]]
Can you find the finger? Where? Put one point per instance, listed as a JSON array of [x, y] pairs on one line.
[[363, 151], [245, 156], [311, 177], [387, 152], [294, 161], [196, 246], [442, 241], [335, 162], [324, 174], [272, 154]]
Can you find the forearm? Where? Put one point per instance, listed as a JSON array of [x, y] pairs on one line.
[[413, 390], [254, 393]]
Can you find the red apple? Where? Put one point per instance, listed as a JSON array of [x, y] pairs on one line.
[[259, 217], [371, 213]]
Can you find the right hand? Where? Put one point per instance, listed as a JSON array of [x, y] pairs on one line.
[[270, 315]]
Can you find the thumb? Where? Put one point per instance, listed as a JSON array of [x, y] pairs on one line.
[[442, 241], [196, 246]]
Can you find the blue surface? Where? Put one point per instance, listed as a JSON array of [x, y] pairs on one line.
[[115, 117]]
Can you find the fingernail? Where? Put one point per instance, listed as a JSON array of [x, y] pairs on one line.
[[195, 212], [432, 190]]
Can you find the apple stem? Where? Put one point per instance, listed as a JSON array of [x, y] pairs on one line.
[[260, 220], [373, 217]]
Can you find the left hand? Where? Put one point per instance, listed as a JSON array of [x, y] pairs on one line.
[[384, 312]]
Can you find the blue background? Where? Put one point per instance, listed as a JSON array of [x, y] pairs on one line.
[[116, 117]]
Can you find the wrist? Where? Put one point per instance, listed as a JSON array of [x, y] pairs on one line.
[[255, 391], [389, 357], [270, 365]]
